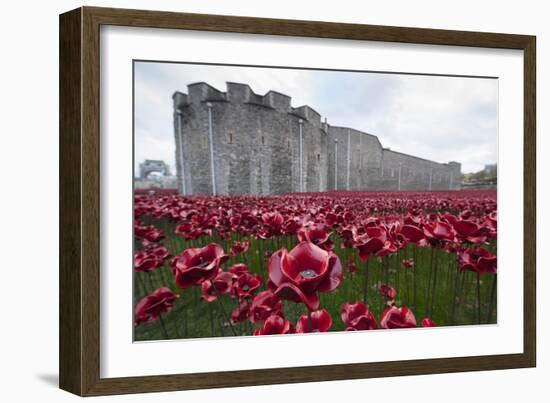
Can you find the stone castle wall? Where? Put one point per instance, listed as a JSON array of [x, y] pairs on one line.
[[256, 148]]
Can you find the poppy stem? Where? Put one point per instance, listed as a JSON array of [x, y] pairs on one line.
[[141, 283], [461, 296], [454, 298], [396, 266], [211, 316], [150, 280], [224, 313], [492, 300], [428, 285], [261, 255], [161, 321], [406, 275], [478, 299], [414, 268], [434, 286], [366, 290], [186, 324]]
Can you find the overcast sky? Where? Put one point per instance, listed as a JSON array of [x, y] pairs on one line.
[[437, 118]]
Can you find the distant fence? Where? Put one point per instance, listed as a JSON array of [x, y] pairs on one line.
[[490, 183]]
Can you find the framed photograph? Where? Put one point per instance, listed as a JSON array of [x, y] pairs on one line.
[[250, 201]]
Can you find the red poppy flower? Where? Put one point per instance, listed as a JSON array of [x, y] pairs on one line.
[[273, 325], [299, 274], [396, 318], [320, 322], [440, 231], [240, 313], [357, 317], [159, 251], [195, 265], [291, 226], [240, 247], [238, 269], [221, 284], [150, 307], [263, 305], [428, 322], [273, 219], [388, 292], [374, 242], [154, 234], [467, 230], [316, 234], [412, 233], [144, 262], [352, 267], [408, 263], [331, 219], [479, 260], [246, 284]]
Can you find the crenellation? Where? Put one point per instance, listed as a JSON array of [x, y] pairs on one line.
[[278, 101], [237, 92], [203, 92], [308, 113], [180, 100], [262, 145]]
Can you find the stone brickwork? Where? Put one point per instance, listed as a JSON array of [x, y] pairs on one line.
[[257, 141]]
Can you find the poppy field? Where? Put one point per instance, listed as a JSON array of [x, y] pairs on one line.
[[209, 266]]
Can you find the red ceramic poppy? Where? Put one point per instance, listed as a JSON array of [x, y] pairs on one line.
[[320, 322], [317, 234], [159, 251], [408, 263], [240, 313], [150, 307], [412, 233], [144, 262], [352, 267], [154, 234], [238, 269], [273, 325], [478, 260], [299, 274], [263, 305], [467, 230], [388, 292], [374, 242], [428, 322], [440, 231], [246, 284], [240, 247], [357, 317], [195, 265], [396, 318], [221, 284]]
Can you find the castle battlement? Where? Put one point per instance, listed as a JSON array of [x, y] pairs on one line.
[[263, 145], [243, 93], [308, 113], [203, 92]]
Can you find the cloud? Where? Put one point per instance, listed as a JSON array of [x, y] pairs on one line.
[[438, 118]]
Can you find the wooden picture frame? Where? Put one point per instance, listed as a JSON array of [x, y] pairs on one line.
[[80, 200]]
